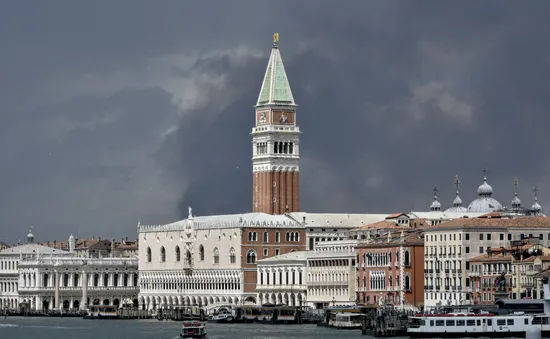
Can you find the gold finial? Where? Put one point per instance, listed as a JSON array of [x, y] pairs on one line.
[[276, 38]]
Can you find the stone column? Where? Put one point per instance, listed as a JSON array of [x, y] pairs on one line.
[[84, 302], [56, 284]]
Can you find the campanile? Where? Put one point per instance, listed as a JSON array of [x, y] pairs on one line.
[[275, 142]]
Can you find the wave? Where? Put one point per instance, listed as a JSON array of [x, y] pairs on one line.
[[8, 325]]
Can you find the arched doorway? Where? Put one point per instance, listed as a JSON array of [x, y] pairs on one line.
[[76, 304], [66, 304], [45, 305]]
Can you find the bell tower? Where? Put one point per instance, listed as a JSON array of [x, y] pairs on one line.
[[275, 142]]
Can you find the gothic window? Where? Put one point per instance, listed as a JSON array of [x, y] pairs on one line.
[[201, 253], [216, 256], [96, 280], [45, 281], [162, 254], [292, 236], [178, 253], [105, 279], [115, 280], [65, 279], [291, 148], [407, 259], [188, 257], [287, 236], [125, 280], [275, 147], [266, 236], [285, 148], [135, 282], [75, 279], [148, 254], [254, 236], [232, 256], [277, 237], [280, 148], [407, 283], [251, 257], [297, 236]]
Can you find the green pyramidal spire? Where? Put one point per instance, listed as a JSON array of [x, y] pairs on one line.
[[275, 87]]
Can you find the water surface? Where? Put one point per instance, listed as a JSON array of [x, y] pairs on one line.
[[77, 328]]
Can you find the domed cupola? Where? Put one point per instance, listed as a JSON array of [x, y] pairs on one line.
[[30, 236], [436, 205], [457, 202], [516, 202], [484, 203], [536, 209]]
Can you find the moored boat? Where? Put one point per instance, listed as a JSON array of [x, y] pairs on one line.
[[102, 312], [193, 329]]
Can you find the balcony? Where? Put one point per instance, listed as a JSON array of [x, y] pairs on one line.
[[77, 288], [281, 287]]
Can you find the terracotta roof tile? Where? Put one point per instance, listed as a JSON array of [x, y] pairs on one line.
[[528, 221]]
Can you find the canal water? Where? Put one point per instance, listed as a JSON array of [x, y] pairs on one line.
[[77, 328]]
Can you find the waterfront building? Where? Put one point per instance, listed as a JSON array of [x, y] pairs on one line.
[[203, 260], [449, 247], [41, 278], [391, 268], [331, 274], [519, 264]]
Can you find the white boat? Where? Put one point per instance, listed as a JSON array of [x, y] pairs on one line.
[[193, 329], [482, 324], [102, 312], [347, 321]]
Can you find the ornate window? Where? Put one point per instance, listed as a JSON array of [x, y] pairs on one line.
[[232, 256], [178, 253], [149, 254], [216, 256], [266, 236], [66, 280], [115, 279], [407, 258], [201, 253], [277, 237], [162, 254], [251, 257], [105, 280]]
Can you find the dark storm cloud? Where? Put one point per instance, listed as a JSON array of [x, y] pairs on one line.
[[114, 112]]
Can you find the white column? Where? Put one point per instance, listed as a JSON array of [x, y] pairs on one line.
[[56, 281], [84, 301]]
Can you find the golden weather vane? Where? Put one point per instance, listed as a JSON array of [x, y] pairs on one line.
[[275, 38]]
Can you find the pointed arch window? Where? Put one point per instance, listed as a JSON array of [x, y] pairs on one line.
[[407, 283], [45, 280], [201, 253], [178, 253], [232, 256], [266, 237], [149, 257], [188, 257], [162, 254], [407, 258], [251, 257], [277, 237], [216, 256]]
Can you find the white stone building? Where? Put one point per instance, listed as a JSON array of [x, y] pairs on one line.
[[282, 279], [326, 275], [449, 247], [207, 259], [40, 278]]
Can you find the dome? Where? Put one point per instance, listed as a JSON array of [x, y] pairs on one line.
[[516, 201], [436, 205], [457, 202], [484, 203], [536, 207]]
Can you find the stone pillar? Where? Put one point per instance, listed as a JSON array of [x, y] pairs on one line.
[[84, 302], [56, 284]]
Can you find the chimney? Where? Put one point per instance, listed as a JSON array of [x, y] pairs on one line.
[[304, 220]]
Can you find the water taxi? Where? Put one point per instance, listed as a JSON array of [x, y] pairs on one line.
[[193, 329], [102, 312]]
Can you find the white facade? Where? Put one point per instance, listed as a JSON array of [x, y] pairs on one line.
[[72, 282], [200, 260], [448, 251], [282, 279], [331, 275]]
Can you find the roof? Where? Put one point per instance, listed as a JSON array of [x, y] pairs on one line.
[[440, 215], [32, 249], [291, 256], [255, 219], [384, 224], [520, 221], [275, 87], [409, 238], [335, 220]]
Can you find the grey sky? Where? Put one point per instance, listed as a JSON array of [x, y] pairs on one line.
[[119, 111]]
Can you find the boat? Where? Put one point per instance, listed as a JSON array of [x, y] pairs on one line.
[[193, 325], [347, 321], [481, 323], [102, 312], [193, 329]]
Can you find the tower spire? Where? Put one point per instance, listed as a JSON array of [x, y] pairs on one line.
[[436, 205], [275, 87], [276, 140], [457, 202]]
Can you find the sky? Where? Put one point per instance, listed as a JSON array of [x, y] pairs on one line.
[[114, 112]]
